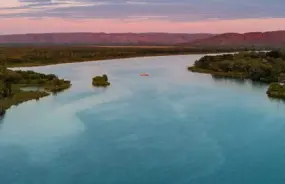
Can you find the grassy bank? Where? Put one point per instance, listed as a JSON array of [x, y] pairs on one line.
[[20, 97]]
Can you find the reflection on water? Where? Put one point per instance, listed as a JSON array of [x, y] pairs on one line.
[[58, 92], [230, 80], [276, 100], [240, 82], [2, 116]]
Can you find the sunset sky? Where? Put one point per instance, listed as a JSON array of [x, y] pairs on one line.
[[187, 16]]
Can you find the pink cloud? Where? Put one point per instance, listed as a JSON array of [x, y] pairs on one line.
[[25, 25]]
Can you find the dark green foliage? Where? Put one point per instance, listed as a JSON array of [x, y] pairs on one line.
[[50, 82], [35, 56], [20, 97], [275, 54], [257, 66], [101, 81], [12, 81], [266, 67], [276, 90], [56, 86], [105, 77]]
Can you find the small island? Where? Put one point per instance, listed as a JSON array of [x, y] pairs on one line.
[[101, 81], [20, 86], [265, 67]]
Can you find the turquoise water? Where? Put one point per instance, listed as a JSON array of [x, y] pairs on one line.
[[174, 127]]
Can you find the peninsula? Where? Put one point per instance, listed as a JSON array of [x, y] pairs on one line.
[[21, 86], [266, 67]]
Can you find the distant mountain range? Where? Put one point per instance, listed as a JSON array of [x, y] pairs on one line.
[[102, 38], [253, 39]]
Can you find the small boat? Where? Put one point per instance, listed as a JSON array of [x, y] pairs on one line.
[[144, 74]]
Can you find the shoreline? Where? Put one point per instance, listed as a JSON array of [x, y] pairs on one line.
[[13, 82], [86, 61], [117, 58], [256, 67]]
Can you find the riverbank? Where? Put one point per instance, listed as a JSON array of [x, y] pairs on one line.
[[235, 75], [41, 85], [265, 67], [21, 97], [51, 55]]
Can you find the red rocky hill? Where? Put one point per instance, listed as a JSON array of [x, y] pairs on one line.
[[102, 38], [262, 39]]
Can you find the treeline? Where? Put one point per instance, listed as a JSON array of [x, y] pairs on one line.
[[12, 82], [33, 56], [268, 67], [258, 66]]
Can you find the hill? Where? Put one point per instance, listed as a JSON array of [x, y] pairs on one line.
[[102, 38], [252, 39]]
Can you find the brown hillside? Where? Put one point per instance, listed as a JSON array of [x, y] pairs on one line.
[[269, 39], [102, 38]]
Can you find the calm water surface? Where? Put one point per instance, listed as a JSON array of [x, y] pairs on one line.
[[174, 127]]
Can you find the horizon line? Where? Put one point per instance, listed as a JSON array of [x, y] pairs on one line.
[[153, 32]]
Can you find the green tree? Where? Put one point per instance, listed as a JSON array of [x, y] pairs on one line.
[[105, 77]]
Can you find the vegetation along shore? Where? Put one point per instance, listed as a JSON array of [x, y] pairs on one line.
[[14, 83], [266, 67], [21, 56]]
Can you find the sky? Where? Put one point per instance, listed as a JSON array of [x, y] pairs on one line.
[[180, 16]]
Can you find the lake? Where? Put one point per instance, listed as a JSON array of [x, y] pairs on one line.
[[173, 127]]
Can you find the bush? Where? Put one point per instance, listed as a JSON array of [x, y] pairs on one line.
[[101, 81]]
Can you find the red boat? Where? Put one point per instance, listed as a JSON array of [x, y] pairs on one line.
[[144, 74]]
